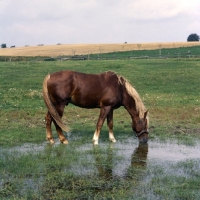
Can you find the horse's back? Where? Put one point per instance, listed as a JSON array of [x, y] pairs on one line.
[[85, 90], [79, 79]]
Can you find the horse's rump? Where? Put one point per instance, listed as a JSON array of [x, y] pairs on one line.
[[51, 107]]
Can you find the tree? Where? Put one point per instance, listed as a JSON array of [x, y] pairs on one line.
[[193, 37], [3, 45]]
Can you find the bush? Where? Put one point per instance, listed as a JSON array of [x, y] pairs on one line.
[[3, 45], [193, 37]]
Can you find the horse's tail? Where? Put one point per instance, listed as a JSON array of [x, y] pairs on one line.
[[51, 107]]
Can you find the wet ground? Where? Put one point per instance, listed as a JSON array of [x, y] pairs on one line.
[[118, 161], [135, 154], [129, 152], [164, 151]]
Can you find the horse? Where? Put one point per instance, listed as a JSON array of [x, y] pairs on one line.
[[106, 91]]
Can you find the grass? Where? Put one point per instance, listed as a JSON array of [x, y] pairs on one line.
[[181, 182], [32, 169], [168, 88]]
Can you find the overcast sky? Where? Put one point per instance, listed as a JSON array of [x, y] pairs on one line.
[[33, 22]]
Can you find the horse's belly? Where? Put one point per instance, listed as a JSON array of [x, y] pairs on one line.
[[84, 102]]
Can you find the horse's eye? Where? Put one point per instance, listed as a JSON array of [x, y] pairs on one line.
[[140, 121]]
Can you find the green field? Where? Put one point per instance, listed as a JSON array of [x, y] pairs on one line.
[[170, 91]]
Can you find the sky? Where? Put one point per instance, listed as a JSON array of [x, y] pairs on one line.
[[49, 22]]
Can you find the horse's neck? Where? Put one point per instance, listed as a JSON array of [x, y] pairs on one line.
[[129, 104]]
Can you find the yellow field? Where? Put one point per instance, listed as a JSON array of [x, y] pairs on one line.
[[84, 49]]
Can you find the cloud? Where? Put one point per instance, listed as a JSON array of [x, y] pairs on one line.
[[155, 10], [97, 21]]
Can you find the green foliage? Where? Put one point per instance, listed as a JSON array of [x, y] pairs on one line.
[[193, 37], [3, 45]]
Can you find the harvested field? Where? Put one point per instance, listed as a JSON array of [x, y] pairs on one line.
[[84, 49]]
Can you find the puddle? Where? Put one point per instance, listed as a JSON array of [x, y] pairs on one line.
[[108, 161], [134, 154], [128, 152], [163, 151], [153, 150], [28, 148]]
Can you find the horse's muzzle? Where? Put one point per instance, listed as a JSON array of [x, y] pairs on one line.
[[142, 136], [143, 140]]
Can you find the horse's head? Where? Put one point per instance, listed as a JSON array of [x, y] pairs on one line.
[[140, 127]]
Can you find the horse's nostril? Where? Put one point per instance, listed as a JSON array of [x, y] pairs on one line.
[[144, 140]]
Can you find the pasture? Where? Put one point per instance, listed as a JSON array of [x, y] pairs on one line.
[[167, 168]]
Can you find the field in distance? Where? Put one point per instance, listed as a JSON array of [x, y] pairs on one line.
[[84, 49]]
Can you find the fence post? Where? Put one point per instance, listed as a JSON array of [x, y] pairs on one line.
[[160, 45]]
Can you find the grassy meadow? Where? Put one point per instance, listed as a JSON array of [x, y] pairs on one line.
[[170, 91]]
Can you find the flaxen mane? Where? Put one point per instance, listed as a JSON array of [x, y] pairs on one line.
[[138, 102], [140, 108]]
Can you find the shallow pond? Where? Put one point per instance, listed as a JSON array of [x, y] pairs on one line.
[[133, 153], [124, 162], [129, 150], [162, 151]]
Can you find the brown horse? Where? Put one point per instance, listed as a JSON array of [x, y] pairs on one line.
[[106, 91]]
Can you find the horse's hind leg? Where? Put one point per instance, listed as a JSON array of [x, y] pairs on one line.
[[110, 126], [49, 136], [60, 110], [61, 136]]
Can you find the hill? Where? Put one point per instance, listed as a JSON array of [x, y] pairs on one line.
[[84, 49]]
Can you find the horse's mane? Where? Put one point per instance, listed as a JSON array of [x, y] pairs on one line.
[[140, 108]]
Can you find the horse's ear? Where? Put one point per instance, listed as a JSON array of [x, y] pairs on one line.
[[145, 114]]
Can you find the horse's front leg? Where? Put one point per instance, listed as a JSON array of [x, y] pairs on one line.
[[48, 120], [103, 114], [110, 126]]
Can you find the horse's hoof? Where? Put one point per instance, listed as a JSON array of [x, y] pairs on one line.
[[95, 142], [64, 142], [113, 140], [51, 140]]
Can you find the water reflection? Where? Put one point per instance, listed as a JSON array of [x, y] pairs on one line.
[[104, 162], [98, 169], [138, 162], [139, 156]]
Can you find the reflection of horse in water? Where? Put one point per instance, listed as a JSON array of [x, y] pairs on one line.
[[139, 156], [138, 161], [105, 162], [107, 178]]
